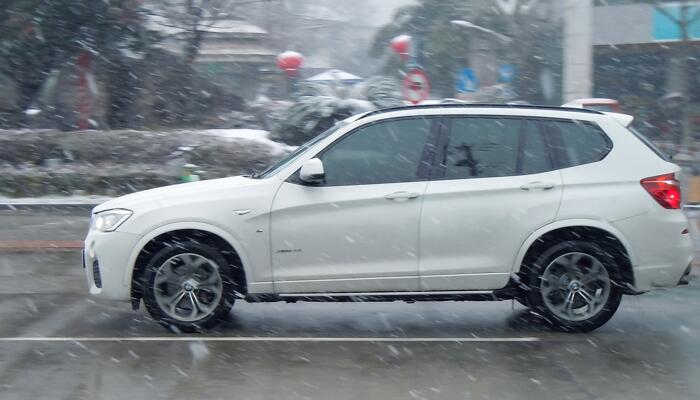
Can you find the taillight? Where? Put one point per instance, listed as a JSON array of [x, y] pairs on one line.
[[665, 189]]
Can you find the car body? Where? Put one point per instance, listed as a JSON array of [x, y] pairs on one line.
[[459, 202]]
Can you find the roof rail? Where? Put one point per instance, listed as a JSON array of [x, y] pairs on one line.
[[480, 105]]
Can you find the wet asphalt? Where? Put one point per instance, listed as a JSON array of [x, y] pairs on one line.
[[57, 343]]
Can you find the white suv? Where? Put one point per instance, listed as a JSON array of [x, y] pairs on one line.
[[561, 209]]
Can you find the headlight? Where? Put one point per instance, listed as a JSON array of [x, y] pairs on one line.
[[108, 221]]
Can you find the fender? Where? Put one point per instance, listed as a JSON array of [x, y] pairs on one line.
[[603, 225], [181, 225]]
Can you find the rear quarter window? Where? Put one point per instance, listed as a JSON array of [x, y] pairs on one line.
[[576, 142]]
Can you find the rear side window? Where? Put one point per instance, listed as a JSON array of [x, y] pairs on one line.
[[482, 148], [487, 147], [576, 142]]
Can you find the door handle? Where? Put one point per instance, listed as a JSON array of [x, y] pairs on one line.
[[537, 185], [400, 196]]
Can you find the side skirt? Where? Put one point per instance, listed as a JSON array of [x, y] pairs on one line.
[[506, 293]]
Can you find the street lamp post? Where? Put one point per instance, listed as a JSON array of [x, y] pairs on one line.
[[466, 24]]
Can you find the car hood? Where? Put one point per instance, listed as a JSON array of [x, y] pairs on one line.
[[168, 195]]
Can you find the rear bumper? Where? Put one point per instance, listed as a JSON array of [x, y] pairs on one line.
[[685, 279], [648, 278], [661, 253]]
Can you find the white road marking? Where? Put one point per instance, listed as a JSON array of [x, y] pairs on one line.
[[266, 339]]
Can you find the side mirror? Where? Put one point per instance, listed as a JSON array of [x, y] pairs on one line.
[[312, 171]]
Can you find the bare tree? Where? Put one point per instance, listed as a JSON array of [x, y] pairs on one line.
[[190, 19], [682, 54], [683, 21]]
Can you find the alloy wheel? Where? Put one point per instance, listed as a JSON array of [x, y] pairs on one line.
[[188, 287], [575, 286]]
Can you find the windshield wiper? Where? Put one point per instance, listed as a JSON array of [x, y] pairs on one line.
[[253, 174]]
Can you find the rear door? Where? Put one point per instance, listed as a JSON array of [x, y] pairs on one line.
[[493, 185]]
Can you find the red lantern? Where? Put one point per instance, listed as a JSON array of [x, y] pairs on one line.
[[289, 62], [402, 46]]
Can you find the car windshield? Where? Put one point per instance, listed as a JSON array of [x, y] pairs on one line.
[[298, 152]]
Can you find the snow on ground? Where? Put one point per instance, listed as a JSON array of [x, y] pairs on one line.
[[256, 135]]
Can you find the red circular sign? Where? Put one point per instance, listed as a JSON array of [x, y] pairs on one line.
[[289, 62], [402, 46], [416, 86]]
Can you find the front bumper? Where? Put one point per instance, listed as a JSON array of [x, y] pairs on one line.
[[106, 262]]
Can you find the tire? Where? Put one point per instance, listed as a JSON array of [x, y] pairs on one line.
[[188, 286], [574, 286]]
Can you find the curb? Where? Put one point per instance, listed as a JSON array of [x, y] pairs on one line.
[[62, 205], [29, 246], [63, 208]]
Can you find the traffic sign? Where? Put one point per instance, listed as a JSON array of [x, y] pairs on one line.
[[416, 86], [506, 73], [467, 81]]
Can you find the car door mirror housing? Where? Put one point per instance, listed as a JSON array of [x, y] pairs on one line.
[[312, 171]]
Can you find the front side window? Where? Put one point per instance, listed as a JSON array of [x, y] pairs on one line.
[[481, 147], [577, 142], [384, 152], [293, 156]]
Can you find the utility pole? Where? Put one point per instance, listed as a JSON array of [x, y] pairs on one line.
[[578, 49]]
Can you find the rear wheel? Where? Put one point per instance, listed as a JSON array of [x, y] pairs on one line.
[[188, 286], [573, 286]]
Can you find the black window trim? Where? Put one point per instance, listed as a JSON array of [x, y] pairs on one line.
[[426, 162], [522, 140], [439, 167], [553, 161]]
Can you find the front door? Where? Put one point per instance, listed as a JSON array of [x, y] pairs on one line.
[[495, 185], [358, 231]]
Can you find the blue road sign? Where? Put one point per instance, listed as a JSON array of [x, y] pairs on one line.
[[666, 28], [506, 73], [467, 81]]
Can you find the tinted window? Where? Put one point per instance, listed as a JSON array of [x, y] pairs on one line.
[[385, 152], [535, 155], [577, 142], [482, 148], [291, 157]]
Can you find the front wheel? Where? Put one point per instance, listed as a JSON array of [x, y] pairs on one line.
[[573, 286], [188, 286]]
